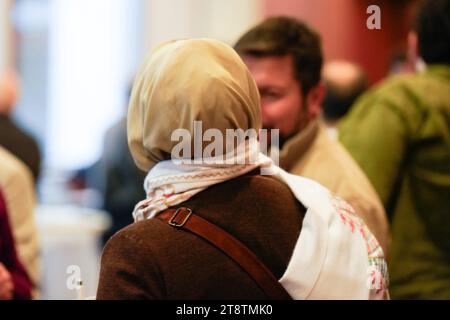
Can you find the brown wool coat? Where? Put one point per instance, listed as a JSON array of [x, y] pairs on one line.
[[152, 260]]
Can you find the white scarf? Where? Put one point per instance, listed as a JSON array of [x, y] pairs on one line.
[[335, 257]]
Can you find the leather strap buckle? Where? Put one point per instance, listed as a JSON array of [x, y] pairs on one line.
[[183, 211]]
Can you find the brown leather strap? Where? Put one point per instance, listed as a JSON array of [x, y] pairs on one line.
[[184, 218]]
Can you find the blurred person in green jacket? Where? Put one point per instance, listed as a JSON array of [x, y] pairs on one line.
[[399, 133]]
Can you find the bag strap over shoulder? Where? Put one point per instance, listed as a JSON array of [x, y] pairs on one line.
[[184, 218]]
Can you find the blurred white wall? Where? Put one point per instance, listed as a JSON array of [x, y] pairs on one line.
[[218, 19], [228, 20], [5, 40], [91, 44]]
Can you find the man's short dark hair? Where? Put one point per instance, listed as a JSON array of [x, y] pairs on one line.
[[433, 29], [280, 36]]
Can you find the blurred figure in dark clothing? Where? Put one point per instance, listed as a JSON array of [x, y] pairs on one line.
[[13, 138], [345, 82], [116, 176], [123, 181]]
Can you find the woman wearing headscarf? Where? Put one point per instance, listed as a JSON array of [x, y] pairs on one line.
[[310, 241]]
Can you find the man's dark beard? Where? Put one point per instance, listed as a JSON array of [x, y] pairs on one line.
[[282, 139]]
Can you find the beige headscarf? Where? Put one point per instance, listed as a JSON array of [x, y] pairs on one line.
[[185, 81]]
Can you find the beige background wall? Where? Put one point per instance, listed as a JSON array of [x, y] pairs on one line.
[[222, 20], [5, 36]]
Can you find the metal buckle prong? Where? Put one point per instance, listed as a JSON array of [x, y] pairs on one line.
[[179, 225]]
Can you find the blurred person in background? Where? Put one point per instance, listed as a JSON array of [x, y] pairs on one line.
[[285, 58], [123, 179], [16, 183], [399, 132], [344, 81], [14, 281], [13, 138], [400, 63]]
